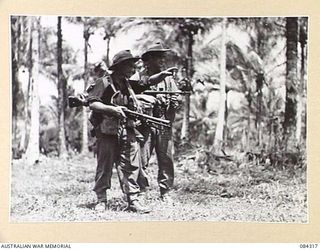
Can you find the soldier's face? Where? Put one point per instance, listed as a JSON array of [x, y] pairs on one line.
[[128, 68], [156, 61], [159, 61]]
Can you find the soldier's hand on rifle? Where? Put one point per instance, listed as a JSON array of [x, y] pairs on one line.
[[82, 98], [120, 113], [162, 100], [174, 102]]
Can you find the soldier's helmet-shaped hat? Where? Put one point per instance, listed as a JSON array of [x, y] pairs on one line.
[[100, 66], [154, 49], [121, 56]]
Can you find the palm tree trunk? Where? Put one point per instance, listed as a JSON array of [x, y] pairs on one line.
[[259, 110], [218, 139], [108, 52], [270, 121], [14, 81], [61, 93], [225, 126], [289, 124], [186, 111], [302, 40], [186, 120], [23, 112], [32, 152], [248, 134], [84, 148]]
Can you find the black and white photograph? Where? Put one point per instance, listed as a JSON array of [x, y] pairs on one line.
[[146, 118]]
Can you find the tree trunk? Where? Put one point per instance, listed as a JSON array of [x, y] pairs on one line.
[[23, 115], [300, 94], [186, 120], [248, 134], [225, 126], [61, 94], [248, 96], [14, 82], [218, 139], [259, 85], [32, 152], [86, 35], [108, 52], [289, 124], [271, 119], [186, 111]]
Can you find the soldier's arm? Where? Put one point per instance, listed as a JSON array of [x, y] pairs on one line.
[[100, 107], [156, 78], [138, 87]]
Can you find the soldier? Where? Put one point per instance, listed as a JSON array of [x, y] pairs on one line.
[[155, 76], [116, 138]]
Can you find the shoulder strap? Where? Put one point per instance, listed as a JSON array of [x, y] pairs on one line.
[[132, 94], [112, 84]]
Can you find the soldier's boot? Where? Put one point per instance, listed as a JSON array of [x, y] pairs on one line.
[[134, 205], [101, 206], [166, 197], [102, 202]]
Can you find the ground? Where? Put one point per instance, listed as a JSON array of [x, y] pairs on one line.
[[61, 190]]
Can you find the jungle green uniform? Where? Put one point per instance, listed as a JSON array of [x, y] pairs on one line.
[[116, 142], [160, 141]]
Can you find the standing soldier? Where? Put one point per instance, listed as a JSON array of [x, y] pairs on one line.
[[155, 76], [114, 146]]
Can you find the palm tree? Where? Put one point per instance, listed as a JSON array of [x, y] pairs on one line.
[[15, 81], [32, 153], [249, 68], [111, 26], [264, 34], [289, 124], [61, 92], [19, 53], [189, 28], [89, 25], [303, 22], [218, 139]]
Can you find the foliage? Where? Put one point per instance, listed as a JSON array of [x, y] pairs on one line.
[[255, 47]]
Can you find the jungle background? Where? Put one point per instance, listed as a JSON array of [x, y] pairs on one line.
[[240, 137]]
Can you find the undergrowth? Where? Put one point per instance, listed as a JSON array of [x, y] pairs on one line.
[[223, 190]]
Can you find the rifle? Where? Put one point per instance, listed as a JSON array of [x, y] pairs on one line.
[[151, 92], [151, 121], [158, 123]]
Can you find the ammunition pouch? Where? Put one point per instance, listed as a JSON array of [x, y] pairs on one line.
[[107, 125]]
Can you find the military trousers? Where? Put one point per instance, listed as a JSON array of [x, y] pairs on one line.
[[162, 143], [107, 156], [129, 165], [145, 146], [125, 156]]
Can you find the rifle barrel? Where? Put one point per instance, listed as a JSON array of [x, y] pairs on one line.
[[151, 92], [163, 122]]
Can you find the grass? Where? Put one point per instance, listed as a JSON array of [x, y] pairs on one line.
[[61, 190]]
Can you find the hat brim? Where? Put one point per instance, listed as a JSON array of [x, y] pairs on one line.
[[135, 59], [154, 51]]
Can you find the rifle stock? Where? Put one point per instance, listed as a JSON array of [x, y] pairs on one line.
[[76, 101]]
